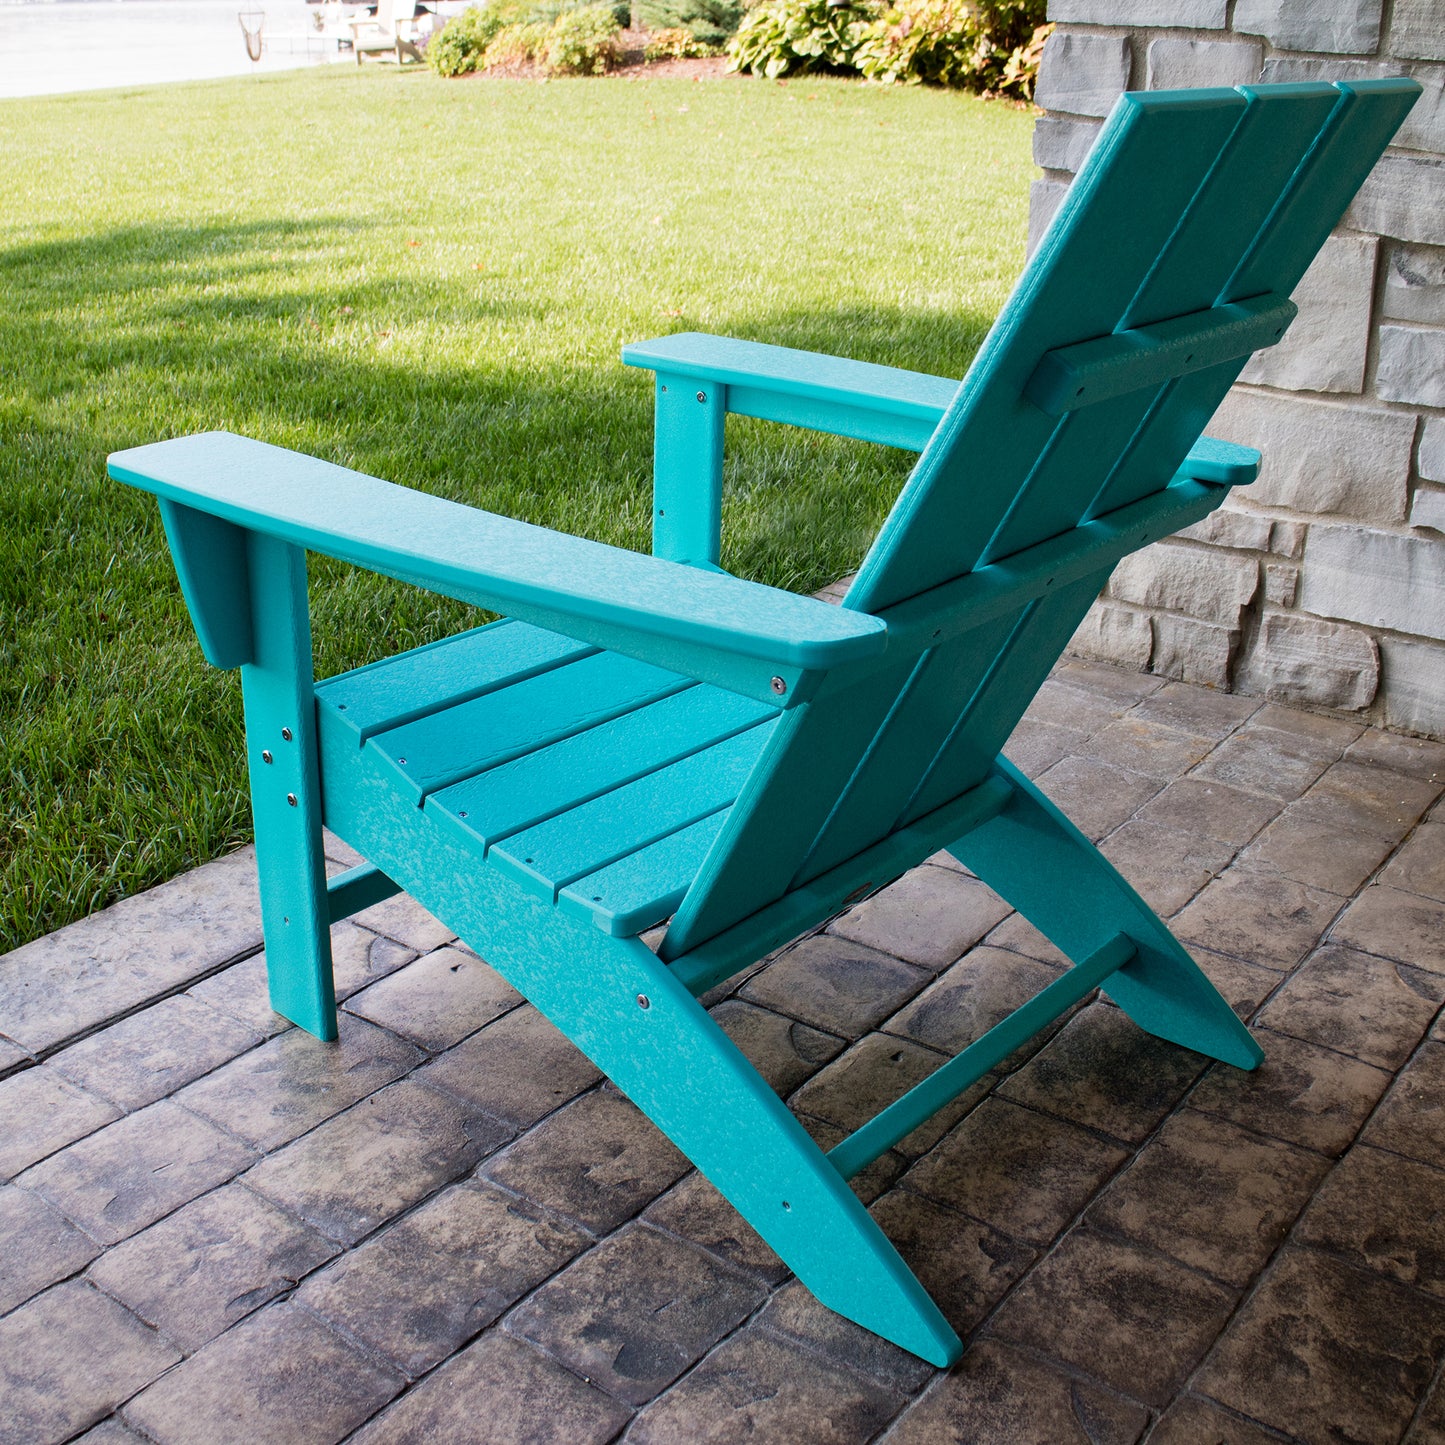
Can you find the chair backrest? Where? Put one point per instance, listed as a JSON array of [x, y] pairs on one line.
[[1169, 261]]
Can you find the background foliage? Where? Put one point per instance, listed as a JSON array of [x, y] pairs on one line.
[[986, 46]]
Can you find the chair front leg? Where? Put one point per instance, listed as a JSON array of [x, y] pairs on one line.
[[285, 788]]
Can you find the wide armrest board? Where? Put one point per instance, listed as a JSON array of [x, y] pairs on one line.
[[495, 562], [857, 398]]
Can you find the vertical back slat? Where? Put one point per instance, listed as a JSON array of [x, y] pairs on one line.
[[968, 754], [784, 804], [1118, 216], [1307, 173], [939, 692]]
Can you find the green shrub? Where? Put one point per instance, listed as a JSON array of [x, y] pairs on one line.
[[457, 48], [517, 44], [710, 22], [584, 42], [797, 36], [982, 45], [460, 46], [966, 43], [674, 44], [551, 10]]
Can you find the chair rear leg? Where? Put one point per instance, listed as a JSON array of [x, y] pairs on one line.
[[285, 789], [1041, 864]]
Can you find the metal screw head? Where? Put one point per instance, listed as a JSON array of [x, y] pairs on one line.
[[702, 396], [266, 757], [643, 1001], [286, 733], [291, 800], [779, 686]]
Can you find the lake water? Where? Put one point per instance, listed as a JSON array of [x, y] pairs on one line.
[[50, 46]]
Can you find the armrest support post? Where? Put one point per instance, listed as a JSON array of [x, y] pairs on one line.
[[281, 754], [687, 461]]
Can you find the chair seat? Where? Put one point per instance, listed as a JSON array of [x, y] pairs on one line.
[[590, 779]]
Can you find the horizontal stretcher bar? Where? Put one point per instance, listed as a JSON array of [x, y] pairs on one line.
[[1145, 357], [945, 1084], [356, 889]]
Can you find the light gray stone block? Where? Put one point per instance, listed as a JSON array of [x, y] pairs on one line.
[[1304, 660], [1429, 510], [1082, 74], [1342, 27], [1175, 64], [1417, 30], [1403, 197], [1382, 579], [1202, 582], [1230, 527], [1423, 129], [1287, 539], [1186, 14], [1322, 456], [1193, 651], [1114, 634], [1432, 449], [1412, 365], [1281, 583], [1415, 284], [1324, 348], [1044, 199], [1061, 145], [1414, 678]]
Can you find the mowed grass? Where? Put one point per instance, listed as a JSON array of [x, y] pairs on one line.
[[430, 282]]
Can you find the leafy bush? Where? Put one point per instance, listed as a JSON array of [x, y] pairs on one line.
[[517, 44], [709, 22], [510, 33], [552, 10], [982, 45], [457, 48], [584, 42], [674, 44], [800, 35]]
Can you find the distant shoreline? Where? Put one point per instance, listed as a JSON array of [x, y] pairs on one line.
[[58, 47]]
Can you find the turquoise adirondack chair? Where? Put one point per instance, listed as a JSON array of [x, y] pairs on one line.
[[645, 739]]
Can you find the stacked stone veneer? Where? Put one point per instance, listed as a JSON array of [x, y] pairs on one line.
[[1323, 584]]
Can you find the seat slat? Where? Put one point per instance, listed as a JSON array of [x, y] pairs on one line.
[[637, 892], [600, 832], [530, 789], [443, 748], [427, 679]]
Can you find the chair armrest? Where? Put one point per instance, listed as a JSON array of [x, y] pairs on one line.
[[854, 398], [805, 388], [702, 623]]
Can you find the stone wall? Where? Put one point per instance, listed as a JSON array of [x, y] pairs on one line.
[[1323, 584]]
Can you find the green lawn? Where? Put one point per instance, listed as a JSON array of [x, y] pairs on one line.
[[429, 281]]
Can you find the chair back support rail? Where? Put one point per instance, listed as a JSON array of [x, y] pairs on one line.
[[647, 739]]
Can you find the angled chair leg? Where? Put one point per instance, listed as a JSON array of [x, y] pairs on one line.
[[1039, 862], [626, 1011], [684, 1072]]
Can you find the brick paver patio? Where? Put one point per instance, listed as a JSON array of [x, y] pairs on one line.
[[447, 1228]]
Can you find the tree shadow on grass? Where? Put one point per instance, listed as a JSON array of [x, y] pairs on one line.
[[120, 750]]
